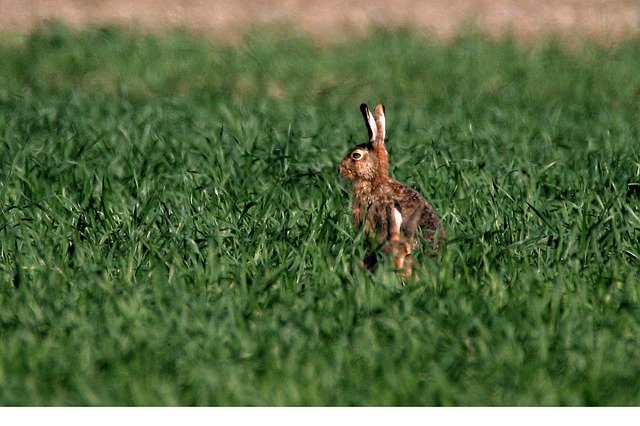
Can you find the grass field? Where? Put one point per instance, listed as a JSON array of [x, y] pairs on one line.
[[173, 229]]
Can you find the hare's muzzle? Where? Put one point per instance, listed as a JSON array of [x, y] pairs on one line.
[[345, 172]]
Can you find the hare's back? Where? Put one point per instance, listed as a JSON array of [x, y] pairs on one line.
[[414, 208], [407, 197]]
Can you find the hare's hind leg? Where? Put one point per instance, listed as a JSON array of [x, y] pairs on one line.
[[401, 252], [397, 246]]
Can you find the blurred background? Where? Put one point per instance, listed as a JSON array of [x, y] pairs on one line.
[[603, 20]]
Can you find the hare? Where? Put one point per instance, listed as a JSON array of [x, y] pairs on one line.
[[390, 211]]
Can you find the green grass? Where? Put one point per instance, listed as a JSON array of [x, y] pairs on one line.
[[174, 230]]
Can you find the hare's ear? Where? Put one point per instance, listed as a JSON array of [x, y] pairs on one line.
[[378, 142], [380, 123], [369, 121]]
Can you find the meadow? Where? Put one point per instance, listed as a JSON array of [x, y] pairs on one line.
[[173, 229]]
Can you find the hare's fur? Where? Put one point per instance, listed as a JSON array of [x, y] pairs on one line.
[[390, 211]]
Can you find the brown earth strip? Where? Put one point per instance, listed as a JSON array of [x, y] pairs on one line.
[[607, 21]]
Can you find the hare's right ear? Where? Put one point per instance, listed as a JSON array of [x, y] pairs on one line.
[[369, 121]]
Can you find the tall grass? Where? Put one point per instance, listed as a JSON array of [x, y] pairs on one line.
[[174, 231]]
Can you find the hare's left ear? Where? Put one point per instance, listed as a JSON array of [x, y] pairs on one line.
[[380, 123], [369, 121], [378, 142]]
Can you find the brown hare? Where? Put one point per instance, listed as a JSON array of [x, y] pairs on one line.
[[390, 211]]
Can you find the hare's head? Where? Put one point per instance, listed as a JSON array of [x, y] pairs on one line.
[[368, 161]]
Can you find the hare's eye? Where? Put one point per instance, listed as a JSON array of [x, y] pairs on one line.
[[356, 155]]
